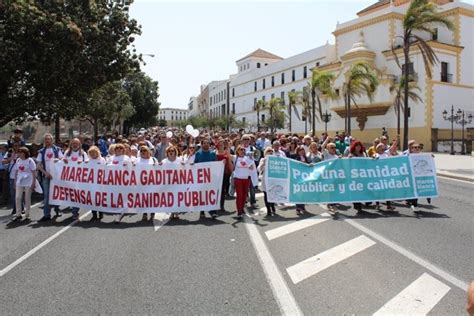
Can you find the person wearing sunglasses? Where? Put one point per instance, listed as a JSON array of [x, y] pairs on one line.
[[243, 167], [172, 160]]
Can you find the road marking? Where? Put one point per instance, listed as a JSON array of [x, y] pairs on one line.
[[44, 243], [459, 180], [325, 259], [416, 299], [298, 225], [160, 220], [260, 194], [35, 205], [283, 296], [410, 255]]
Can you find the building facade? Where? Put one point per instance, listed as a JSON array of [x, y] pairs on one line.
[[369, 37], [172, 115]]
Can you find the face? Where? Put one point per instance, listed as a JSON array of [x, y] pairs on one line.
[[75, 144], [205, 145], [358, 148], [415, 148], [241, 152], [331, 149], [48, 140], [313, 148], [145, 154], [269, 152], [93, 155], [245, 141], [119, 151], [171, 155]]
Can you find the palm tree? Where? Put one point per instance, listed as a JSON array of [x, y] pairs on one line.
[[360, 80], [276, 111], [306, 110], [260, 105], [421, 16], [399, 89], [320, 83], [294, 98]]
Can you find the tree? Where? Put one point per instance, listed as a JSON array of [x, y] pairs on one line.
[[62, 52], [320, 84], [306, 107], [421, 16], [261, 104], [361, 79], [294, 98], [398, 87], [143, 93], [276, 110]]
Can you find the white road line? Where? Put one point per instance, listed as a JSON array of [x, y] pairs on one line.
[[416, 299], [44, 243], [35, 205], [410, 255], [454, 179], [298, 225], [260, 194], [285, 299], [325, 259], [160, 220]]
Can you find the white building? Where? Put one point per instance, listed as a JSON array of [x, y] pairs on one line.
[[172, 115], [369, 37], [218, 98]]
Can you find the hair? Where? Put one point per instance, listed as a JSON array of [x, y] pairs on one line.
[[380, 145], [172, 148], [24, 150], [239, 147], [119, 146], [94, 149], [267, 151], [354, 145], [69, 149], [112, 149], [313, 144], [145, 148]]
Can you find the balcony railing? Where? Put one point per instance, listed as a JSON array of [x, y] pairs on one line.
[[445, 77]]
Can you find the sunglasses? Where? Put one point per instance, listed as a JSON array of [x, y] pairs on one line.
[[143, 151], [415, 147]]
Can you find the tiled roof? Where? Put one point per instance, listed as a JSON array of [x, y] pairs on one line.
[[374, 6], [261, 54]]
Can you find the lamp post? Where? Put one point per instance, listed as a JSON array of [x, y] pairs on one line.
[[463, 121], [326, 119], [452, 118]]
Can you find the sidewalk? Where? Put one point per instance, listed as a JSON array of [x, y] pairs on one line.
[[455, 166]]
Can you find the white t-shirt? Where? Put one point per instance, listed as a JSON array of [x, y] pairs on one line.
[[116, 160], [242, 167], [328, 156], [142, 161], [24, 172], [97, 161], [48, 158], [176, 162], [77, 156]]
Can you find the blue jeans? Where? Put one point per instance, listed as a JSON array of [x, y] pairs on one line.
[[46, 207], [252, 190]]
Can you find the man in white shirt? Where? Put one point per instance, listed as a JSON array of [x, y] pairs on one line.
[[45, 159]]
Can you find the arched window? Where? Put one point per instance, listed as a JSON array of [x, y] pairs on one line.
[[258, 65]]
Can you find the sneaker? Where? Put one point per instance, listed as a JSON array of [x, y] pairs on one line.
[[428, 200], [202, 215], [58, 213], [152, 216], [214, 216], [44, 219], [101, 216], [16, 218], [13, 212], [144, 217], [413, 209], [94, 218], [75, 217]]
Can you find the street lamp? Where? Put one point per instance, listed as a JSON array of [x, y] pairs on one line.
[[452, 118], [463, 121], [326, 119]]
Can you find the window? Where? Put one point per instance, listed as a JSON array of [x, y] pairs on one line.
[[233, 92], [255, 86], [273, 96], [233, 108], [258, 65], [254, 103], [283, 78], [282, 96], [337, 92], [445, 76], [411, 72], [317, 64], [293, 76], [266, 64], [263, 118], [434, 36], [225, 92], [305, 72], [263, 83], [243, 119], [273, 81]]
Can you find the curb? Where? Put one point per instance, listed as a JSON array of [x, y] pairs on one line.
[[448, 175]]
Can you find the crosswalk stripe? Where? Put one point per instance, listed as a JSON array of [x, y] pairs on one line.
[[416, 299], [325, 259], [260, 194], [298, 225], [160, 220]]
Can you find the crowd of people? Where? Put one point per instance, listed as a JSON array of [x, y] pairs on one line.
[[25, 170]]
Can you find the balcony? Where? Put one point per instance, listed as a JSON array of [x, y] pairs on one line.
[[445, 77]]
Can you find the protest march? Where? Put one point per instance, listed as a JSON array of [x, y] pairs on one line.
[[177, 171]]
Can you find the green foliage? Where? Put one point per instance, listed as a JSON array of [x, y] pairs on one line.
[[320, 84], [361, 80], [143, 93], [54, 54], [421, 16], [294, 99]]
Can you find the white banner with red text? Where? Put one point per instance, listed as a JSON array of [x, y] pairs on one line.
[[132, 188]]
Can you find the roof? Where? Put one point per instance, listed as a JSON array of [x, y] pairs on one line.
[[374, 6], [260, 53]]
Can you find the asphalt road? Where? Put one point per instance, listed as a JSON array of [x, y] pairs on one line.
[[312, 264]]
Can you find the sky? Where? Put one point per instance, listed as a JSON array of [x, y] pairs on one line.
[[195, 42]]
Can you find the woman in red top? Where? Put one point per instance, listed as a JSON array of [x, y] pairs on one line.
[[223, 153]]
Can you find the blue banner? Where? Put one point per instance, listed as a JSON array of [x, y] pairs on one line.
[[351, 180]]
